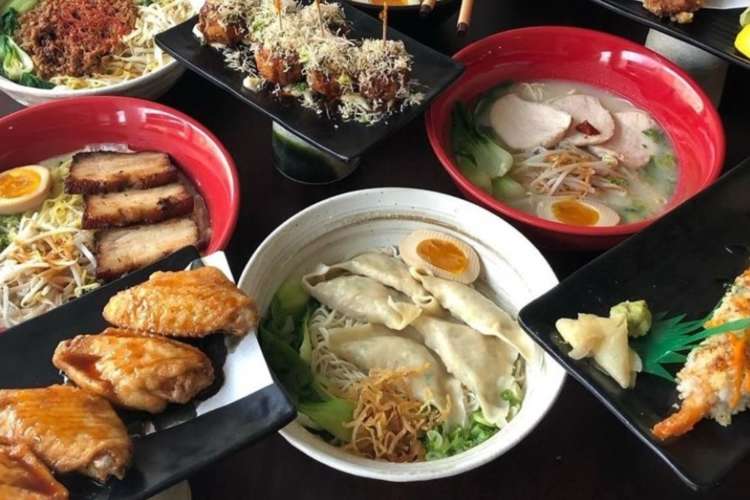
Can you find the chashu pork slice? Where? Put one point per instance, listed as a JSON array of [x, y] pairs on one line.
[[629, 144], [119, 251], [136, 206], [592, 122], [524, 124], [106, 171]]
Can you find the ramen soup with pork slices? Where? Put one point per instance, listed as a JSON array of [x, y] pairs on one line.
[[566, 152]]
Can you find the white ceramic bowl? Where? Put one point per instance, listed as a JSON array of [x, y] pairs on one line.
[[513, 273], [150, 86]]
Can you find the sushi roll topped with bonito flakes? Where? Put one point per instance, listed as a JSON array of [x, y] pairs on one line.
[[305, 52]]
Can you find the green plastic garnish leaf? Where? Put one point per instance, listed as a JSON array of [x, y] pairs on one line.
[[670, 339]]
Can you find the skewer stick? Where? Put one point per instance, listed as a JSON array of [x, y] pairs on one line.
[[384, 18], [277, 5], [320, 17], [464, 16], [426, 8]]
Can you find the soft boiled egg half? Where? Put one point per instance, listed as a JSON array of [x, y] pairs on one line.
[[23, 189], [577, 212], [440, 254]]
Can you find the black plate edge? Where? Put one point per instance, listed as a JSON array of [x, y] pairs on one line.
[[572, 369], [654, 22], [393, 34]]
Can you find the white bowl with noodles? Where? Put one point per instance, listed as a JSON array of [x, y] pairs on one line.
[[513, 273], [150, 86]]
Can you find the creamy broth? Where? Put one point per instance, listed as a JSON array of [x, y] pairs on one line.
[[615, 177]]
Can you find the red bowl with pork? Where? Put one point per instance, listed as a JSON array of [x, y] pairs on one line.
[[612, 64], [54, 128]]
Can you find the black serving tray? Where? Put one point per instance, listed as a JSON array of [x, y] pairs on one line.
[[680, 264], [345, 140], [712, 30], [185, 442]]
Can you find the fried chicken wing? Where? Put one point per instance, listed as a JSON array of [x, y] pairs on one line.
[[679, 11], [24, 477], [184, 304], [140, 372], [68, 429]]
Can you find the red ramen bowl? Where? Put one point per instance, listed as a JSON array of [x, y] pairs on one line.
[[615, 65], [54, 128]]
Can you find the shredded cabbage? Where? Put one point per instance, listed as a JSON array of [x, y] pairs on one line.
[[48, 260]]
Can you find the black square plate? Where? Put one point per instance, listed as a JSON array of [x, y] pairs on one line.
[[345, 140], [185, 443], [680, 264], [712, 30]]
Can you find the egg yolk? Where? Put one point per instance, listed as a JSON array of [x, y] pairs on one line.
[[443, 254], [575, 213], [18, 182]]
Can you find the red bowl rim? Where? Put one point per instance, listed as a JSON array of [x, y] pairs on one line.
[[222, 240], [433, 132]]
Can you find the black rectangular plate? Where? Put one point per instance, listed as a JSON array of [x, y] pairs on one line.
[[680, 264], [712, 30], [345, 140], [164, 457]]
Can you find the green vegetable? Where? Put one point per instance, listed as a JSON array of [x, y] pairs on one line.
[[15, 61], [505, 188], [745, 17], [511, 397], [8, 227], [285, 340], [637, 315], [655, 135], [475, 175], [470, 142], [444, 442], [292, 297], [331, 416], [670, 339], [20, 6]]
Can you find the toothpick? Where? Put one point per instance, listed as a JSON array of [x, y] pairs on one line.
[[320, 18], [384, 17], [277, 5]]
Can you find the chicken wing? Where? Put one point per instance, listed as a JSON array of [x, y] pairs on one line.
[[68, 429], [24, 477], [140, 372], [184, 304]]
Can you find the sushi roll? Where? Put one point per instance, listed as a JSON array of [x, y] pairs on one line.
[[715, 381]]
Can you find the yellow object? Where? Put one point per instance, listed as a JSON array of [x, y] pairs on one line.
[[575, 212], [23, 189], [742, 42], [441, 255]]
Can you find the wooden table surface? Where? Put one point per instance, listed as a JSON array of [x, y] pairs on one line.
[[579, 450]]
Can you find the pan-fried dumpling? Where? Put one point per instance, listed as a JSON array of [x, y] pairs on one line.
[[360, 298], [390, 271], [482, 363], [477, 311], [371, 347], [604, 339]]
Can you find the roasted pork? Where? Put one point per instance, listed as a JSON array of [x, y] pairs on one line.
[[138, 206], [106, 172]]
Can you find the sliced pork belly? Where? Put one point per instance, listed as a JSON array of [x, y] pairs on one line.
[[592, 123], [106, 172], [524, 124], [136, 206], [629, 144], [119, 251]]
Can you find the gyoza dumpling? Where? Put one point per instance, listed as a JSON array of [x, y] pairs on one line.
[[390, 271], [482, 363], [360, 298], [604, 339], [371, 347], [479, 312]]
